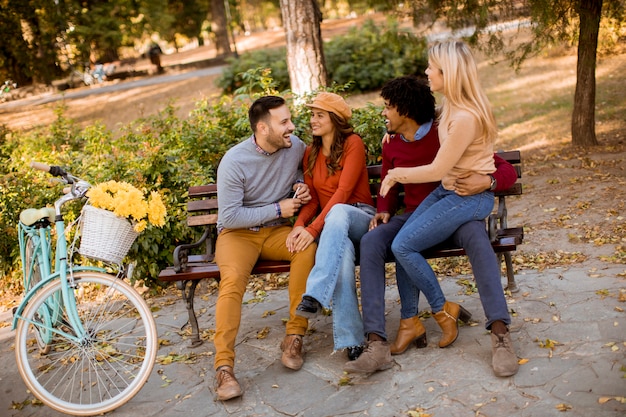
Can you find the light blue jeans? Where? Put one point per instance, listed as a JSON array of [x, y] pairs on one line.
[[434, 220], [331, 281]]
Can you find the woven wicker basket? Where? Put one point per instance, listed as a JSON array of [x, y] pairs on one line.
[[105, 236]]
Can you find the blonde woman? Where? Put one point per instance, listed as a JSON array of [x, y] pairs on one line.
[[467, 130]]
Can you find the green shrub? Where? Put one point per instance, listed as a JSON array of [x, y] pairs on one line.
[[233, 76], [371, 55], [366, 58]]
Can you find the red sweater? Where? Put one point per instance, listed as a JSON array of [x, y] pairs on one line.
[[399, 153], [347, 185]]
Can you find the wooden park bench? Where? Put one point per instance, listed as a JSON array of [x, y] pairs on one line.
[[194, 262]]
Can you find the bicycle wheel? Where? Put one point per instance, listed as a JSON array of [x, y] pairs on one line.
[[100, 371]]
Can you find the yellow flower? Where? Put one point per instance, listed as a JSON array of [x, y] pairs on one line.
[[156, 209], [125, 200]]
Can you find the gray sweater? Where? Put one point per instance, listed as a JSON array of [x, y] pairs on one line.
[[249, 183]]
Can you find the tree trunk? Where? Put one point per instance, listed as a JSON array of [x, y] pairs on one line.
[[305, 52], [219, 26], [583, 115]]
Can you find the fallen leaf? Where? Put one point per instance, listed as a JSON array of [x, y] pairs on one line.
[[345, 380], [262, 334], [603, 400], [563, 407]]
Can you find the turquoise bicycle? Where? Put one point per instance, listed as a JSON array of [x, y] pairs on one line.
[[85, 340]]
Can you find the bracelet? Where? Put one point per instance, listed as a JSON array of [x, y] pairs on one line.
[[279, 213]]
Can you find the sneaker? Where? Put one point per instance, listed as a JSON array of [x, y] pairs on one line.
[[308, 307], [293, 357], [226, 385], [503, 357], [375, 357]]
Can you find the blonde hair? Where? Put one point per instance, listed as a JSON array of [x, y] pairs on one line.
[[461, 86]]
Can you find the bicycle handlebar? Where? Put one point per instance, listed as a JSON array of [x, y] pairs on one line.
[[54, 170]]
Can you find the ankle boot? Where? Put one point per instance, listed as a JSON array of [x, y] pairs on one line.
[[411, 330], [447, 319]]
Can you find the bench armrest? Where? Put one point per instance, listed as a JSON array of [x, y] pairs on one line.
[[181, 252], [497, 221]]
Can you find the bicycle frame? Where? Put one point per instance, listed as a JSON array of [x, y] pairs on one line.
[[42, 256]]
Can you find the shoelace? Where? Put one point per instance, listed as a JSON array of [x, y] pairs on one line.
[[295, 346], [501, 342], [224, 376]]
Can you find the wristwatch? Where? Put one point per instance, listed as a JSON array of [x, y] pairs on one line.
[[494, 183]]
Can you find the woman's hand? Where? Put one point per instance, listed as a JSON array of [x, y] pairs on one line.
[[301, 191], [299, 239]]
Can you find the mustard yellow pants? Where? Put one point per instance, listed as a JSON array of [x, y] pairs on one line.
[[236, 252]]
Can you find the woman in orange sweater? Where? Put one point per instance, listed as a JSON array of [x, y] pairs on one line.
[[338, 215]]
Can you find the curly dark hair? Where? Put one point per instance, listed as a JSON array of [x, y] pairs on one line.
[[411, 96], [343, 129]]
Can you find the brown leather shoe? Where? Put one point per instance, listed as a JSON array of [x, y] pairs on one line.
[[448, 320], [293, 356], [376, 357], [411, 330], [226, 385], [503, 357]]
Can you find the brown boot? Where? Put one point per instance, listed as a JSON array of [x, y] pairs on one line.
[[503, 357], [448, 319], [411, 330], [292, 352], [375, 357], [226, 385]]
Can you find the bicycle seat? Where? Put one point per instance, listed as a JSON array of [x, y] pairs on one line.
[[31, 216]]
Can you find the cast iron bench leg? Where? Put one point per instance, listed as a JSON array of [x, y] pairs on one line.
[[188, 290], [510, 275]]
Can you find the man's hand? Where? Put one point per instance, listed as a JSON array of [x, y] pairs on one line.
[[472, 183], [298, 239], [301, 191], [378, 219], [289, 207]]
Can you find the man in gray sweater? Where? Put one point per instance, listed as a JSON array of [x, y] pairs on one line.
[[259, 183]]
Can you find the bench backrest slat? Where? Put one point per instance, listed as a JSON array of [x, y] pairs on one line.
[[205, 204]]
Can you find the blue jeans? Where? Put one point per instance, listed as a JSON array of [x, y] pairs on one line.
[[332, 278], [435, 219], [375, 252], [473, 238]]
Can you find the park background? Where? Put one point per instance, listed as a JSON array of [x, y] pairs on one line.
[[573, 202]]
